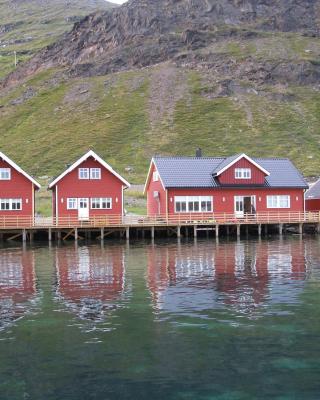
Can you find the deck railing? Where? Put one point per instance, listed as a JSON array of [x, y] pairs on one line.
[[25, 222]]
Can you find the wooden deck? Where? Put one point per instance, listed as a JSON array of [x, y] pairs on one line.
[[65, 227]]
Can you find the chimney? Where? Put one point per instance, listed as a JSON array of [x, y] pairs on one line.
[[198, 153]]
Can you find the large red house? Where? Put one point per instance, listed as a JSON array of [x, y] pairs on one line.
[[235, 185], [89, 187], [17, 190]]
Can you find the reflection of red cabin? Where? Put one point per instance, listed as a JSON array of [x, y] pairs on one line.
[[235, 185], [17, 190], [89, 187], [242, 272], [17, 283], [90, 275]]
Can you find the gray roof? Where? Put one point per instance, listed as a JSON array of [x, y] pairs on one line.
[[314, 191], [225, 162], [197, 172]]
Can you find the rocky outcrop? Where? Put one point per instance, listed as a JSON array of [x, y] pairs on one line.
[[145, 32]]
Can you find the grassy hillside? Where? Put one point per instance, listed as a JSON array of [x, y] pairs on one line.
[[28, 25], [127, 117]]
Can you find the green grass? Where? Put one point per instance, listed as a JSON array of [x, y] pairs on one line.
[[46, 132]]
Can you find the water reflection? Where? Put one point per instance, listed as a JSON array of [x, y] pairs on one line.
[[17, 284], [91, 280], [242, 276]]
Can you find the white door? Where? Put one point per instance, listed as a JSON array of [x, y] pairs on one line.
[[244, 204], [83, 209], [239, 206]]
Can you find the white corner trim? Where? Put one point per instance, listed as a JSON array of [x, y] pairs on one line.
[[90, 153], [18, 169], [239, 158], [149, 176]]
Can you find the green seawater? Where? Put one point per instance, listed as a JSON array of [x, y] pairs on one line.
[[166, 320]]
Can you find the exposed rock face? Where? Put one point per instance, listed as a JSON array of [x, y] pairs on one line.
[[146, 32]]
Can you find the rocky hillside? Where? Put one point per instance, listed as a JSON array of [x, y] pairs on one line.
[[167, 76], [27, 26]]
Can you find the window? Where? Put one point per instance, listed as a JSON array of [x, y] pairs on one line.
[[101, 203], [11, 204], [83, 173], [72, 204], [193, 204], [155, 176], [278, 201], [95, 173], [242, 173], [5, 174]]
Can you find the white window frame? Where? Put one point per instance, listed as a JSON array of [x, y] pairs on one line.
[[95, 173], [188, 200], [3, 172], [100, 201], [276, 201], [242, 173], [155, 176], [10, 203], [84, 173], [73, 200]]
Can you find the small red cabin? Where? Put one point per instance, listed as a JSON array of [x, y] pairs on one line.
[[313, 197], [236, 185], [17, 190], [88, 188]]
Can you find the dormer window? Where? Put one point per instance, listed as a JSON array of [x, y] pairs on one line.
[[95, 173], [5, 174], [84, 173], [242, 173], [155, 176]]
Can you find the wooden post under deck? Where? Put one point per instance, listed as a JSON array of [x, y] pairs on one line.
[[49, 234], [217, 231], [238, 230], [259, 230], [179, 232], [127, 233], [195, 233], [75, 233], [24, 235], [280, 229], [300, 229], [152, 232]]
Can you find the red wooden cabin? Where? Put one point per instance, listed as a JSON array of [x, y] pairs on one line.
[[17, 191], [312, 197], [237, 185], [88, 188]]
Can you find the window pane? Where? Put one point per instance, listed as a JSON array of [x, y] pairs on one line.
[[196, 206]]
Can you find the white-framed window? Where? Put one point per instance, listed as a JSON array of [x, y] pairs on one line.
[[95, 173], [193, 204], [72, 203], [84, 173], [10, 204], [155, 176], [242, 173], [278, 201], [103, 203], [5, 174]]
